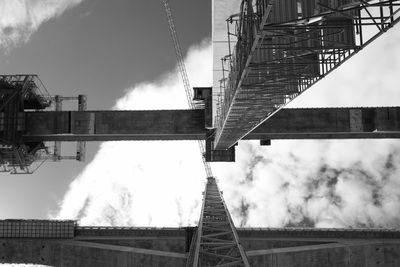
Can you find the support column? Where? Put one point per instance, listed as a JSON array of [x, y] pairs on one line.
[[217, 242]]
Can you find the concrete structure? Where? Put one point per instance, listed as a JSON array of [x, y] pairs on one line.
[[67, 244], [308, 123], [32, 133], [215, 242], [282, 48]]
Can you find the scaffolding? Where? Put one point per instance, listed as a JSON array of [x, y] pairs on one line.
[[216, 242], [20, 94], [278, 49]]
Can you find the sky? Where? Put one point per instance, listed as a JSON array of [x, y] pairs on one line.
[[119, 53], [97, 48]]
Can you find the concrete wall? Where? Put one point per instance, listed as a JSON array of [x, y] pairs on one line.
[[93, 246], [123, 246], [329, 255], [77, 253]]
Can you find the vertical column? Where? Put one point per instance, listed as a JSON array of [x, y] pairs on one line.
[[57, 144], [81, 145], [217, 242]]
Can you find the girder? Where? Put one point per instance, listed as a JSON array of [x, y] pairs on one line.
[[304, 123], [64, 243]]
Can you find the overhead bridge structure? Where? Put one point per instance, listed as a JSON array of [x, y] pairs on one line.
[[30, 136], [64, 243], [215, 242], [33, 125], [279, 48]]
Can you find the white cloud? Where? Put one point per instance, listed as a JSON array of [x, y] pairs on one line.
[[345, 183], [323, 183], [19, 19], [145, 183], [370, 78]]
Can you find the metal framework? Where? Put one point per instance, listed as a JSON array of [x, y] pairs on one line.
[[216, 241], [283, 47], [20, 94], [185, 79]]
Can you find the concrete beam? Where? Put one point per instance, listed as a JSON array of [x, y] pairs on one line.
[[330, 123], [135, 246], [62, 243], [115, 125], [79, 253], [309, 123], [357, 254]]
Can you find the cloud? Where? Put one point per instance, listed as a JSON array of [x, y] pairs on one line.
[[19, 19], [370, 78], [145, 183], [345, 183]]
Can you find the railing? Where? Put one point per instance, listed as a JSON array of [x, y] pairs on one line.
[[283, 47]]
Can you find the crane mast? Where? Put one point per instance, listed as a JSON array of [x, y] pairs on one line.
[[185, 79]]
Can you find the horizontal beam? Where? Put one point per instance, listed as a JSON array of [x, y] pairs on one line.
[[115, 125], [333, 254], [330, 123], [61, 252], [309, 123]]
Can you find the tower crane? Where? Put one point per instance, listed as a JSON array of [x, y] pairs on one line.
[[185, 79]]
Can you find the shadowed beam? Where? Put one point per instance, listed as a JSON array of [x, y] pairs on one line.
[[115, 125], [330, 123], [310, 123]]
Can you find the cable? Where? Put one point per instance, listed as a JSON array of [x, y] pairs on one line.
[[185, 79]]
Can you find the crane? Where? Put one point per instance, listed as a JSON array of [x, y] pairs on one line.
[[185, 79]]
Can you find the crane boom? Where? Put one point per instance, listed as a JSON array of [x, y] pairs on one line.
[[185, 79]]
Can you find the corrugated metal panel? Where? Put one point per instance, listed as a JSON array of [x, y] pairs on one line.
[[309, 8], [307, 65], [283, 10], [341, 34]]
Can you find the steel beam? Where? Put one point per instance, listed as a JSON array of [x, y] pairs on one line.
[[310, 123]]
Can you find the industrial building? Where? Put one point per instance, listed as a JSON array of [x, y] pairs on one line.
[[276, 50]]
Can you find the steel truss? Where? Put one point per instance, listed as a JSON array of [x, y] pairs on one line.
[[182, 70], [18, 93], [216, 241], [283, 47]]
